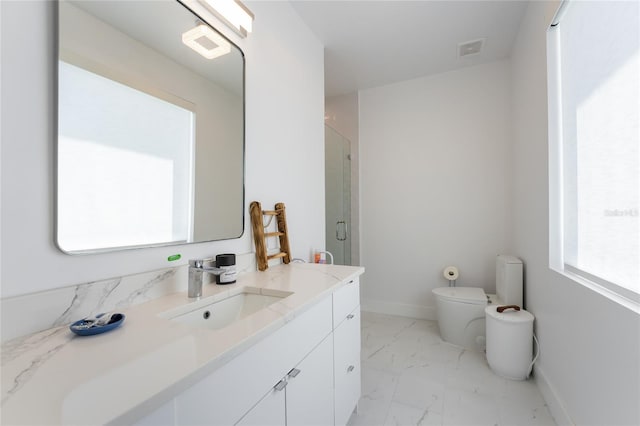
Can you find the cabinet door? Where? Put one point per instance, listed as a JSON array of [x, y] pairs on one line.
[[346, 340], [270, 411], [310, 388], [345, 300]]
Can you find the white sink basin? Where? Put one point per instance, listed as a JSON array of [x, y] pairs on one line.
[[221, 313]]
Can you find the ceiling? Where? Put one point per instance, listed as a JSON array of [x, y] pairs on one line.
[[376, 42]]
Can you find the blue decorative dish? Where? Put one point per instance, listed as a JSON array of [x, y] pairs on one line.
[[88, 327]]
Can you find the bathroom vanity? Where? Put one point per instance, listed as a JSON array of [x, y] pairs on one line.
[[294, 361]]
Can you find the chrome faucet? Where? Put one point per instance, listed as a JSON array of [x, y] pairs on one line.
[[196, 270]]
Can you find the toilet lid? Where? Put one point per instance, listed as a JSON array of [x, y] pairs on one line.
[[473, 295]]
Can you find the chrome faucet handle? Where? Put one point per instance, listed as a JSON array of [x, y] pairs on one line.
[[199, 263]]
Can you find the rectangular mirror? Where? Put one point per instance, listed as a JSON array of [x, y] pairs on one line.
[[150, 146]]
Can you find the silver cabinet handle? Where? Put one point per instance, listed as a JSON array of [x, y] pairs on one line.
[[294, 372], [350, 316], [281, 385], [350, 368]]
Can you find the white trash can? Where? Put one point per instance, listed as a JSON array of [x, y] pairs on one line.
[[509, 341]]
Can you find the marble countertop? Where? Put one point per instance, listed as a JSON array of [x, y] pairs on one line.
[[56, 377]]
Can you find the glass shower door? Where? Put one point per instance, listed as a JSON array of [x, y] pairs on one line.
[[338, 196]]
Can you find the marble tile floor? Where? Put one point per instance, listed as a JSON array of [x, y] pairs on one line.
[[410, 376]]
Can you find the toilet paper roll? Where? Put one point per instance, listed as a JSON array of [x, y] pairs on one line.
[[451, 273]]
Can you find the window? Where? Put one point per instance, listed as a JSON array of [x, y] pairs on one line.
[[594, 73], [124, 165]]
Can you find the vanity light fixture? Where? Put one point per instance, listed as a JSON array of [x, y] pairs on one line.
[[233, 13], [206, 42]]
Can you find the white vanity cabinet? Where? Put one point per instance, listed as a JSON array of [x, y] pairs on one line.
[[305, 373], [158, 370], [346, 342], [226, 395]]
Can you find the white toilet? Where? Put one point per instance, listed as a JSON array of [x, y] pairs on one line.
[[460, 310]]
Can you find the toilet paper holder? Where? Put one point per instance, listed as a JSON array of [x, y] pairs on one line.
[[451, 274]]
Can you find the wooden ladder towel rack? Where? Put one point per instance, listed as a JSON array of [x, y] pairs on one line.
[[260, 236]]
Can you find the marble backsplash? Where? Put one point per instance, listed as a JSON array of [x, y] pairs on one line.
[[30, 313]]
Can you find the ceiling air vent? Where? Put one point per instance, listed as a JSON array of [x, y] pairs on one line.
[[472, 47]]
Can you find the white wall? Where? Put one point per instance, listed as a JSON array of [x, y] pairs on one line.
[[341, 114], [435, 187], [589, 368], [284, 147]]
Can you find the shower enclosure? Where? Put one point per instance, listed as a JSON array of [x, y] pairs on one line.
[[338, 196]]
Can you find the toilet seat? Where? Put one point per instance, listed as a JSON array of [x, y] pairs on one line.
[[470, 295], [461, 317]]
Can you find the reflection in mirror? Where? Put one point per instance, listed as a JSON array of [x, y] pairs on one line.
[[150, 127]]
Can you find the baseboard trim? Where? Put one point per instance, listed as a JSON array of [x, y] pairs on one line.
[[399, 309], [551, 397]]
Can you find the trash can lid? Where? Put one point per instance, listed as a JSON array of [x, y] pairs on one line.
[[508, 315]]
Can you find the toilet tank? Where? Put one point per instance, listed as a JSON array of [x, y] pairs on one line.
[[509, 280]]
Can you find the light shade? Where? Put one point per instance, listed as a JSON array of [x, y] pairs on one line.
[[233, 13], [206, 42]]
